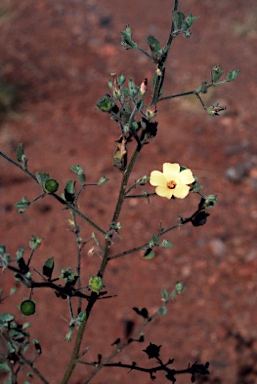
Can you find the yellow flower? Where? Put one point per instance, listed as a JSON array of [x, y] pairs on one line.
[[172, 181]]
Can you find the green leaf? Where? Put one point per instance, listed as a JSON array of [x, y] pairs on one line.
[[12, 291], [35, 242], [216, 73], [105, 103], [149, 254], [37, 347], [189, 21], [42, 177], [69, 187], [154, 241], [24, 203], [102, 180], [178, 19], [165, 294], [126, 39], [154, 45], [48, 267], [232, 75], [4, 367], [133, 89], [20, 152], [6, 318], [139, 105], [179, 287], [166, 244], [141, 312], [69, 191], [163, 311], [121, 79]]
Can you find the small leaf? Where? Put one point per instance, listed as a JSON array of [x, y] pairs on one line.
[[166, 244], [141, 312], [79, 172], [42, 177], [165, 294], [149, 254], [37, 347], [69, 191], [48, 267], [139, 105], [102, 180], [20, 152], [232, 75], [35, 242], [178, 19], [154, 45], [163, 311], [6, 318], [105, 103]]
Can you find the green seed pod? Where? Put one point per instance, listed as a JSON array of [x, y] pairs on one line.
[[28, 307], [96, 283], [51, 186]]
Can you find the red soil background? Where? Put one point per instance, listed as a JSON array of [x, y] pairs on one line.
[[60, 55]]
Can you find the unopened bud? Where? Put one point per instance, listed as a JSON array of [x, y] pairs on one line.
[[51, 186], [214, 110], [151, 111], [143, 87], [96, 283], [115, 86]]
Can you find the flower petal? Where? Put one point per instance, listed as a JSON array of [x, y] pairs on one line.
[[170, 169], [157, 178], [181, 191], [164, 192], [186, 176]]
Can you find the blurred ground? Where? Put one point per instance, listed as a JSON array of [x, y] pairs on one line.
[[60, 55]]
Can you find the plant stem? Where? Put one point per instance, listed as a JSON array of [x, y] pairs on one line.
[[94, 295]]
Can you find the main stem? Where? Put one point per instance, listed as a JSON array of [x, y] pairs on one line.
[[94, 295]]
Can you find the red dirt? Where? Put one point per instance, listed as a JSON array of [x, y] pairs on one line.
[[60, 55]]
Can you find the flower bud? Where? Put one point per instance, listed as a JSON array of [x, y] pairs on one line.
[[151, 111], [51, 186], [115, 86], [96, 283], [143, 87], [28, 307]]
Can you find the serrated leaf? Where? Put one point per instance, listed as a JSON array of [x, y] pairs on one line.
[[48, 267]]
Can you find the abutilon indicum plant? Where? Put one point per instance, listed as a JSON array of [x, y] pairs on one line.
[[137, 124]]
